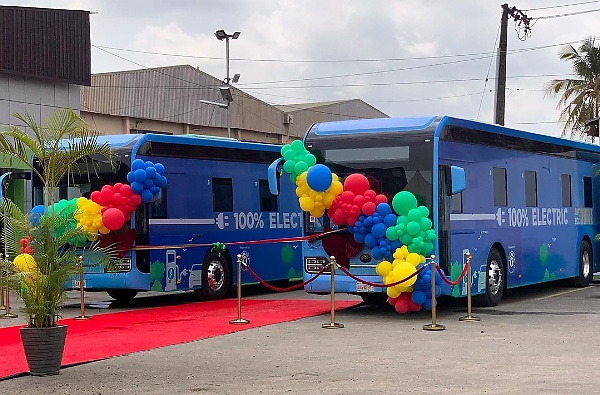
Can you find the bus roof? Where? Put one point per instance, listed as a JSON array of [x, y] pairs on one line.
[[135, 140], [412, 124]]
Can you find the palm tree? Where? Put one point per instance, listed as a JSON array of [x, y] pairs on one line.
[[62, 146], [580, 96]]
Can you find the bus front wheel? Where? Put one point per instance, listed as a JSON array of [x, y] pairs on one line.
[[216, 277], [494, 282], [585, 266], [122, 296]]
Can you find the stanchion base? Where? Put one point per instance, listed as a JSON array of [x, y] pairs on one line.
[[82, 317], [8, 315], [432, 327], [239, 321], [469, 318], [332, 325]]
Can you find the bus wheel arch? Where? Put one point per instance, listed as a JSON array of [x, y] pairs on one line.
[[216, 277], [495, 277], [122, 296], [585, 264]]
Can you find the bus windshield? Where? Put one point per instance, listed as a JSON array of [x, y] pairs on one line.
[[391, 164]]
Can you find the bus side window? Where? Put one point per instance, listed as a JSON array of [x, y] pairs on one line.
[[587, 191], [456, 206], [268, 201], [222, 191], [500, 190], [565, 180], [159, 207], [531, 195]]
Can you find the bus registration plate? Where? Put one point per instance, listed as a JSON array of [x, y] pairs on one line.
[[75, 284], [360, 287]]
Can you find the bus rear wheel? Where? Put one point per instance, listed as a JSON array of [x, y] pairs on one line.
[[494, 282], [585, 266], [374, 299], [216, 277], [122, 296]]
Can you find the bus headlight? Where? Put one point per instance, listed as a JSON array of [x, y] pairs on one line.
[[315, 264]]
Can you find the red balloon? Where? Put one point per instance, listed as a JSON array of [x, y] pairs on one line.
[[356, 183], [113, 218], [401, 306], [381, 199], [369, 208]]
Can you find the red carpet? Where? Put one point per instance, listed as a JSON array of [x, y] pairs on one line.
[[113, 334]]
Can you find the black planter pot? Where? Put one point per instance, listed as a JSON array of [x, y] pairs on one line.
[[44, 349]]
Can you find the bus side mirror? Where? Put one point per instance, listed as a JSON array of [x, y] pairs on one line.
[[272, 176], [458, 182]]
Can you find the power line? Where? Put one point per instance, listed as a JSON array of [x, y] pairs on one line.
[[562, 5], [567, 14]]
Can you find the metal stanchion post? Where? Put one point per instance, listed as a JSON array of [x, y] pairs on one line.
[[81, 292], [239, 319], [2, 305], [433, 326], [468, 317], [7, 313], [332, 324]]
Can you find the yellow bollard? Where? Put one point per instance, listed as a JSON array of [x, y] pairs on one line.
[[433, 326], [468, 317], [7, 313], [239, 319], [332, 324], [81, 292]]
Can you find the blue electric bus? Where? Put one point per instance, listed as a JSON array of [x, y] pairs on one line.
[[216, 192], [528, 213]]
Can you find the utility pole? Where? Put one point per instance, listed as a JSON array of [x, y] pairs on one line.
[[522, 21], [500, 98]]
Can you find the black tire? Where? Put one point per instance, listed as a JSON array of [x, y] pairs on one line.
[[495, 280], [585, 266], [122, 296], [216, 277], [374, 299]]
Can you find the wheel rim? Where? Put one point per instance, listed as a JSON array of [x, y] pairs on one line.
[[586, 264], [215, 275], [495, 277]]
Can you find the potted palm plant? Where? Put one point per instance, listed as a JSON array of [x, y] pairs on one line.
[[60, 147]]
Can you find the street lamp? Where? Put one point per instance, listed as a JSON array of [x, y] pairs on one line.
[[226, 91]]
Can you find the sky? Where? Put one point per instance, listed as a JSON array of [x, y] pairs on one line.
[[404, 57]]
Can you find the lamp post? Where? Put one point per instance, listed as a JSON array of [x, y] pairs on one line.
[[226, 90]]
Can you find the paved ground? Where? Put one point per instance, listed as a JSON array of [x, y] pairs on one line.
[[542, 340]]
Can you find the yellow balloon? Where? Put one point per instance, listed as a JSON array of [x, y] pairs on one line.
[[317, 212], [393, 292], [403, 270], [25, 263], [335, 188], [413, 258], [383, 268], [401, 253], [306, 203]]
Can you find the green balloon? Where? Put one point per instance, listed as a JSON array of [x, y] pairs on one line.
[[289, 166], [391, 234], [424, 211], [425, 223], [298, 146], [427, 248], [301, 167], [285, 148], [415, 215], [403, 202], [310, 160], [403, 219], [430, 235], [405, 239], [290, 155], [413, 228]]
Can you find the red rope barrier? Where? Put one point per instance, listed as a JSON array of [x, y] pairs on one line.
[[263, 241], [443, 276], [291, 288], [347, 272]]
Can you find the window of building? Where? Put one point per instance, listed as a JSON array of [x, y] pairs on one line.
[[531, 198], [565, 180], [500, 190], [587, 191], [222, 190], [268, 201]]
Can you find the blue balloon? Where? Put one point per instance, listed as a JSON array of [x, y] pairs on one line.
[[148, 164], [130, 177], [359, 237], [160, 181], [140, 175], [370, 240], [137, 187], [390, 220], [155, 190], [378, 230], [137, 164], [160, 169], [383, 209], [150, 172], [377, 253], [149, 183], [147, 196], [418, 297], [319, 177]]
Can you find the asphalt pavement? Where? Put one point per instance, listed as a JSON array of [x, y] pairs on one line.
[[540, 340]]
